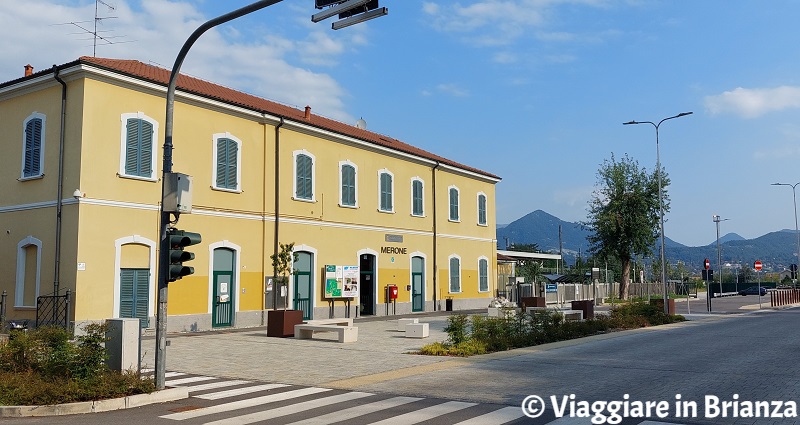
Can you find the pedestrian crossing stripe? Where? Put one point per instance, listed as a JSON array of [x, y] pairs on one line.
[[197, 384]]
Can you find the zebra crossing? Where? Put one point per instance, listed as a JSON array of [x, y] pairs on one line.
[[220, 401]]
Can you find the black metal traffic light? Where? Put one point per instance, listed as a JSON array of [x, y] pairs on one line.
[[178, 240]]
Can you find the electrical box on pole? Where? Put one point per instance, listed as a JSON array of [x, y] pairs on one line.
[[177, 193]]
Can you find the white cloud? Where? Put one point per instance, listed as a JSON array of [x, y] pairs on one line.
[[153, 32], [452, 89], [505, 57], [751, 103]]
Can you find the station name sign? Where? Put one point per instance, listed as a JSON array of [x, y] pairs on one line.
[[394, 250]]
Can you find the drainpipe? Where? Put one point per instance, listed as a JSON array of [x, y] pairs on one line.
[[435, 241], [60, 191], [277, 208]]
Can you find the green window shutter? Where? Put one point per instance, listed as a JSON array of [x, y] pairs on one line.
[[348, 185], [483, 275], [455, 278], [303, 181], [227, 162], [146, 149], [33, 148], [481, 209], [132, 147], [134, 295], [126, 292], [386, 192], [454, 204], [416, 190], [142, 281]]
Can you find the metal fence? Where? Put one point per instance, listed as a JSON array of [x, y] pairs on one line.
[[567, 292], [53, 310]]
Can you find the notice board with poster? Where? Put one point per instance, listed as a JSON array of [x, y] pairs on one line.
[[341, 281]]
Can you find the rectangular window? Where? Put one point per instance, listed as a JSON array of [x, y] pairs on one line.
[[348, 185], [482, 209], [139, 148], [453, 204], [304, 177], [483, 275], [416, 198], [227, 157], [386, 192], [33, 148], [455, 274]]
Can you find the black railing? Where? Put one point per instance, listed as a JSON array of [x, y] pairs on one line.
[[53, 310], [3, 310]]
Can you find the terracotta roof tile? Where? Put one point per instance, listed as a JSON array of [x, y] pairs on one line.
[[224, 94]]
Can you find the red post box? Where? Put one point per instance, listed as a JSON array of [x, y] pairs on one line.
[[392, 292]]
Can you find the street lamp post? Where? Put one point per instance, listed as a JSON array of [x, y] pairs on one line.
[[717, 219], [794, 198], [661, 202]]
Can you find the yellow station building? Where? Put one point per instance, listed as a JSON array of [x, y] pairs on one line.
[[81, 172]]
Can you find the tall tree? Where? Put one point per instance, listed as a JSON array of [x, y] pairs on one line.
[[624, 213]]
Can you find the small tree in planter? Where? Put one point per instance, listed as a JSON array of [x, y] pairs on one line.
[[282, 264]]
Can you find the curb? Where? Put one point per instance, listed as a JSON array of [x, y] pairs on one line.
[[169, 394]]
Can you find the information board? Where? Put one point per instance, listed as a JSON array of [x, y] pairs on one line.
[[341, 281]]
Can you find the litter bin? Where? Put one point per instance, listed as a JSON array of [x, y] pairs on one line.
[[586, 306], [448, 304]]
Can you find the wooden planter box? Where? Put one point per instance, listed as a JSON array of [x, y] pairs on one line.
[[280, 323]]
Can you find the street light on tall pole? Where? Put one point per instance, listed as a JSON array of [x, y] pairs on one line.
[[794, 198], [716, 220], [661, 202]]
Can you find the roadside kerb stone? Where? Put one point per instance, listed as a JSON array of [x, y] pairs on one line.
[[81, 407]]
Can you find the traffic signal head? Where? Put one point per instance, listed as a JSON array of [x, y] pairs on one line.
[[178, 240]]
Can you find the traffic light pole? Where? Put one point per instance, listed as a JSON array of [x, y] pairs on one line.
[[164, 220]]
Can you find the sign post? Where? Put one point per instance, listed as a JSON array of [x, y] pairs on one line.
[[707, 266], [757, 265]]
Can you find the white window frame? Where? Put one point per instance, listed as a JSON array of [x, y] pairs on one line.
[[380, 173], [19, 295], [450, 205], [488, 281], [22, 176], [450, 275], [214, 140], [422, 182], [486, 208], [123, 146], [295, 154], [355, 184]]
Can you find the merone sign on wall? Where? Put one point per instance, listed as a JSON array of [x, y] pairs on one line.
[[393, 250]]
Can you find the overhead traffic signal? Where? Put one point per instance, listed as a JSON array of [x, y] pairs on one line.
[[178, 240]]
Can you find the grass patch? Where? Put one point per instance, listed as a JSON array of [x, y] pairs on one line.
[[44, 366], [468, 336]]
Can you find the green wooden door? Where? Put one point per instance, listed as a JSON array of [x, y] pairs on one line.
[[134, 295], [224, 289], [303, 283], [417, 284]]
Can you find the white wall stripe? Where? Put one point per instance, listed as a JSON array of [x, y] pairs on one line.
[[501, 416], [242, 404], [240, 391], [425, 414], [289, 410], [354, 412]]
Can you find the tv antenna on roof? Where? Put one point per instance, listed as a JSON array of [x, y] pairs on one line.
[[96, 35]]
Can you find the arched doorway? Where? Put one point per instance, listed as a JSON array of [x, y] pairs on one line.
[[303, 283]]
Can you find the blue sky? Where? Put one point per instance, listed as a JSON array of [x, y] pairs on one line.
[[534, 91]]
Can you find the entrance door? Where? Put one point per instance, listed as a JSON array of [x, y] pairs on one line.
[[303, 289], [222, 306], [134, 294], [366, 294], [417, 284]]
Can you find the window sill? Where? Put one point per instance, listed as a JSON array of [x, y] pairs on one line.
[[311, 201], [37, 177], [385, 211], [418, 216], [222, 189], [352, 207], [147, 179], [453, 221]]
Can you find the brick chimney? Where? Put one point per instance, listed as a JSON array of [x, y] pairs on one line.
[[308, 113], [28, 70]]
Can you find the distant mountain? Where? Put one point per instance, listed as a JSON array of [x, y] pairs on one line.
[[776, 250]]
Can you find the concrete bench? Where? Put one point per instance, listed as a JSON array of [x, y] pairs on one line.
[[417, 330], [401, 323], [568, 314], [306, 331], [338, 322]]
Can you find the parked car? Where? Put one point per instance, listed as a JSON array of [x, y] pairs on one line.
[[754, 290]]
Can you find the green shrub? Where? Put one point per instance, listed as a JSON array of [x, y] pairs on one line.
[[456, 328], [435, 349]]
